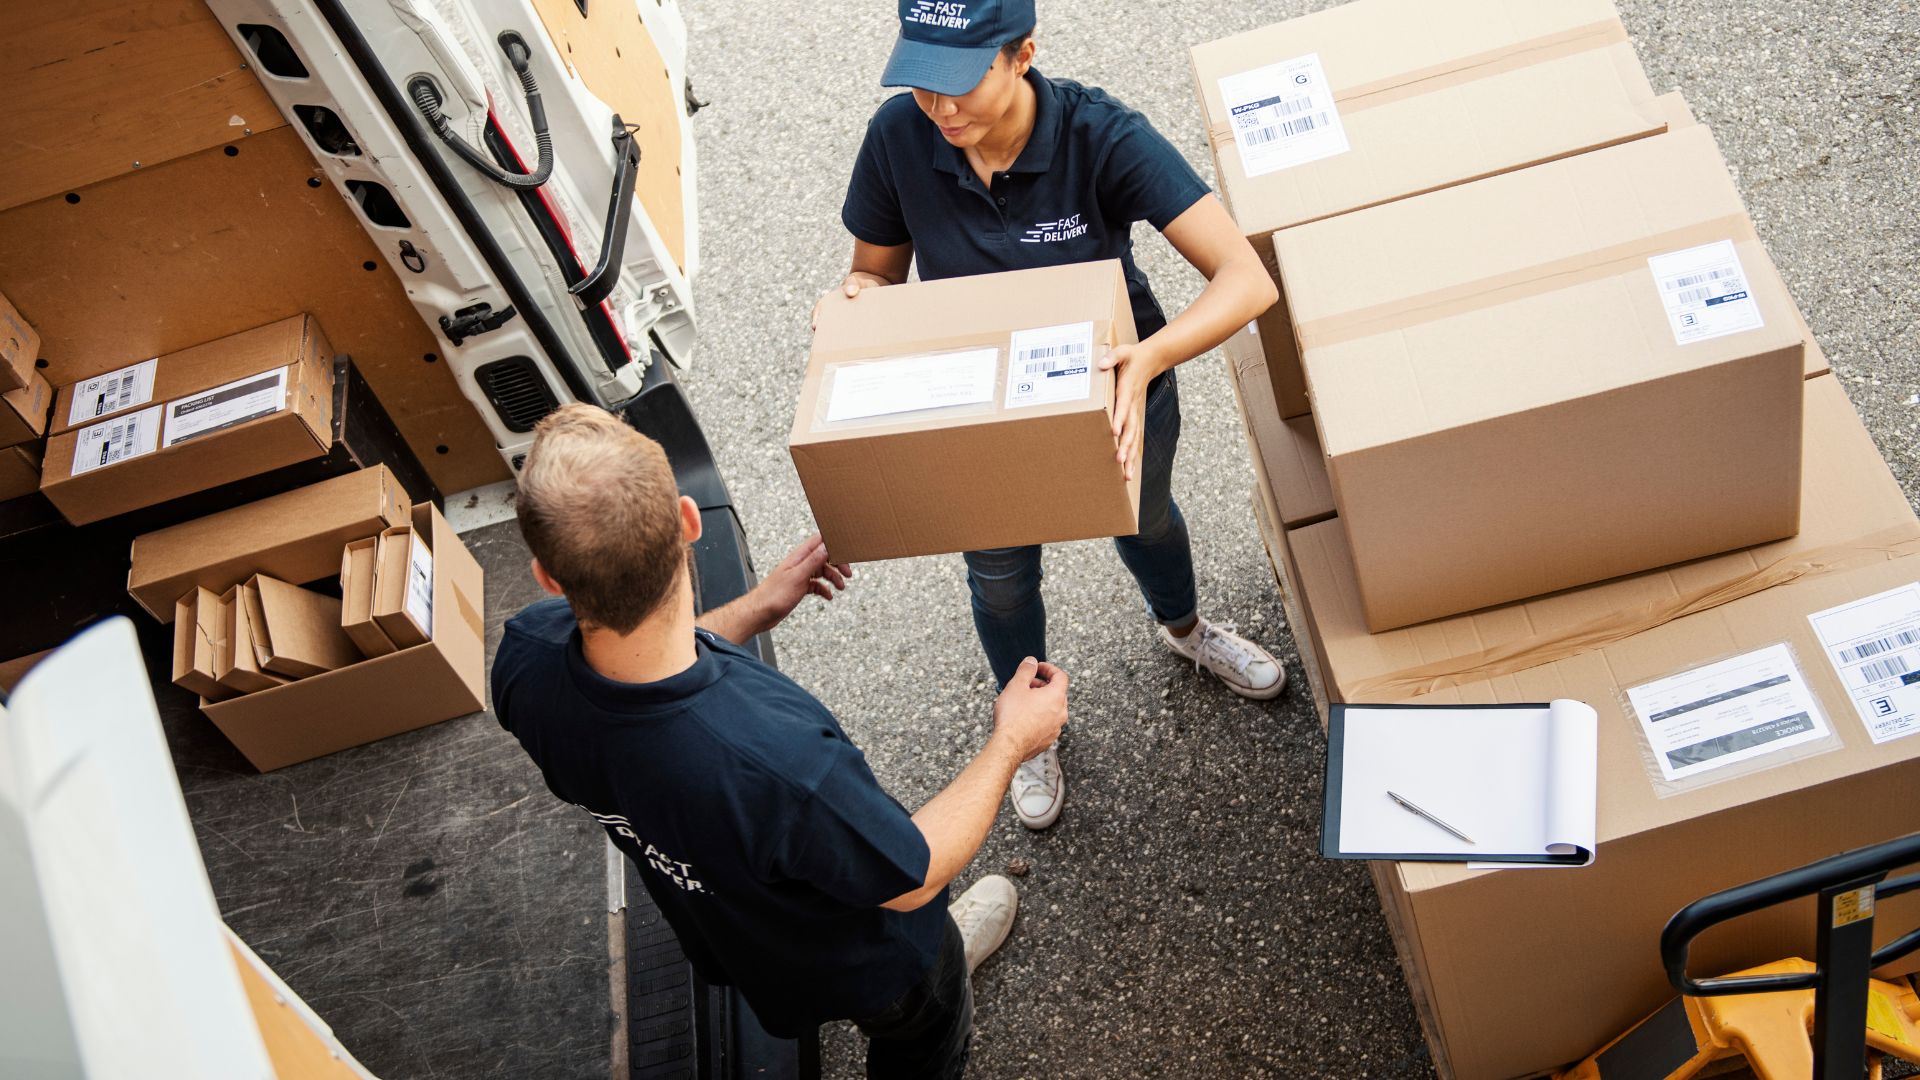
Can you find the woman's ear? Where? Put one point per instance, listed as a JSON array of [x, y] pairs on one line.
[[1025, 59]]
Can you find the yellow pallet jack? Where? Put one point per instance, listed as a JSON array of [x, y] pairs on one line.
[[1790, 1020]]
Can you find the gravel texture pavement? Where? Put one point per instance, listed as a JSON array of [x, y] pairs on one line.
[[1177, 922]]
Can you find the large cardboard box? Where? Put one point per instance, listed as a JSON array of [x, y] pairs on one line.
[[19, 348], [386, 695], [1563, 374], [1286, 452], [23, 412], [1378, 100], [967, 413], [19, 471], [244, 405], [296, 536]]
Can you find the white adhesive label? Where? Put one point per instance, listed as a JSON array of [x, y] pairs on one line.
[[420, 585], [110, 442], [226, 406], [103, 395], [1727, 712], [1705, 292], [912, 383], [1875, 646], [1283, 115], [1049, 364]]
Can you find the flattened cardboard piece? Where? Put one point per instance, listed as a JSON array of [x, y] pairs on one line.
[[359, 563], [19, 471], [19, 348], [236, 664], [198, 635], [295, 536], [233, 419], [297, 631], [1495, 362], [23, 412], [1038, 462], [403, 565], [382, 696]]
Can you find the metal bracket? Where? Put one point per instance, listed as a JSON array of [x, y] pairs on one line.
[[473, 321]]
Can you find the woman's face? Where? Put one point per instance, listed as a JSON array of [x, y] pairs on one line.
[[967, 119]]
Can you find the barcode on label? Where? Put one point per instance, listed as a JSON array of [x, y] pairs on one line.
[[1879, 645], [1286, 129], [1695, 296], [118, 444], [1885, 669], [1045, 358], [1711, 275]]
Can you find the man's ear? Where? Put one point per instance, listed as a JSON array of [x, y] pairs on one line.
[[546, 580], [690, 527]]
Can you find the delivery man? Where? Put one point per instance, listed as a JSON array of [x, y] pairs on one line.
[[781, 865], [988, 165]]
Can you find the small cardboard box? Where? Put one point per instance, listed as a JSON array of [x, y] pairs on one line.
[[359, 563], [403, 587], [23, 412], [1287, 456], [19, 348], [1557, 376], [386, 695], [966, 413], [1379, 100], [295, 536], [296, 632], [236, 661], [19, 471], [199, 633], [249, 404]]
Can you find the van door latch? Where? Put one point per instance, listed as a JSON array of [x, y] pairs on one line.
[[474, 321]]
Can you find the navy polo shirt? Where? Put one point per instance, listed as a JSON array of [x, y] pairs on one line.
[[758, 829], [1091, 168]]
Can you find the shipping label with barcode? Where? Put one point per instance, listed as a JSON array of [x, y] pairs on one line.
[[1706, 292], [106, 394], [110, 442], [1283, 115], [226, 406], [1050, 364], [420, 585], [1874, 645]]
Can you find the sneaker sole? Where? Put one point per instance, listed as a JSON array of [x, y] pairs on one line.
[[1279, 687], [1046, 820]]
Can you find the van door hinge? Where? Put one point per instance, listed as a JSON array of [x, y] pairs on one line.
[[474, 321]]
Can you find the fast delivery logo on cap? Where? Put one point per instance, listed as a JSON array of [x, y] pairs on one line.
[[943, 14]]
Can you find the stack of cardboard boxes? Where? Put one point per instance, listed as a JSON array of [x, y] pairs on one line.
[[1537, 418], [25, 400]]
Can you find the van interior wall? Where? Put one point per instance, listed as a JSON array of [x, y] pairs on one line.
[[225, 224]]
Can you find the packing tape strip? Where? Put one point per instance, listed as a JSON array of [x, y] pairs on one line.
[[1522, 54], [1511, 658], [1516, 284]]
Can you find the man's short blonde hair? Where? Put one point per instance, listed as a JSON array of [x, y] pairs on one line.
[[599, 508]]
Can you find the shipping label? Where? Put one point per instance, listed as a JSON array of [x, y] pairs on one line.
[[110, 442], [1727, 712], [226, 406], [1049, 364], [420, 585], [1705, 292], [912, 383], [112, 392], [1874, 645], [1283, 115]]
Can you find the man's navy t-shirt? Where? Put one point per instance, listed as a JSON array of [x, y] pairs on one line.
[[1091, 168], [759, 830]]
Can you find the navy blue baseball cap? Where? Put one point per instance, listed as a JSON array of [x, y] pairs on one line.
[[946, 46]]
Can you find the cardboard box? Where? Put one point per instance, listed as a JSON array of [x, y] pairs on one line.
[[23, 412], [1019, 457], [403, 587], [295, 536], [252, 403], [1496, 363], [19, 471], [236, 661], [1286, 453], [19, 348], [296, 632], [199, 632], [386, 695], [1385, 99], [358, 566]]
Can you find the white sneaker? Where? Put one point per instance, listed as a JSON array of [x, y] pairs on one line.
[[1246, 668], [1039, 789], [984, 914]]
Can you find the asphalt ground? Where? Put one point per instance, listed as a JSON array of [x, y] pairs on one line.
[[1176, 921]]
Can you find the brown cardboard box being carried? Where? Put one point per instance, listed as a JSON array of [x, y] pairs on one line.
[[295, 536], [229, 409], [437, 680], [1379, 100], [1550, 377], [1472, 940], [19, 348], [966, 413]]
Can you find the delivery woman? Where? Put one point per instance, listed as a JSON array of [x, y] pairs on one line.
[[989, 165]]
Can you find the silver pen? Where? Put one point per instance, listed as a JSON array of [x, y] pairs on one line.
[[1408, 806]]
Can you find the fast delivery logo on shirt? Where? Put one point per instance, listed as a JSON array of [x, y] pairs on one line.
[[1054, 232], [944, 14], [681, 874]]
